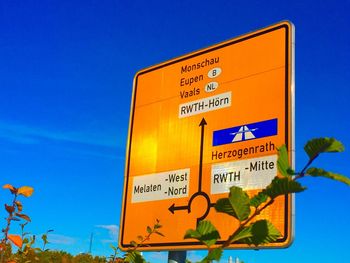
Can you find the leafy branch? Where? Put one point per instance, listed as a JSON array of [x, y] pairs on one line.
[[15, 213], [245, 209], [133, 254]]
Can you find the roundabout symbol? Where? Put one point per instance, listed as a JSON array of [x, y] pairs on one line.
[[199, 193]]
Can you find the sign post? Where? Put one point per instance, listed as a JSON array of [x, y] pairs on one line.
[[177, 256], [202, 123]]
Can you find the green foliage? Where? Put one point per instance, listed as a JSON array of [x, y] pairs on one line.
[[317, 146], [44, 238], [236, 205], [205, 233], [282, 186], [258, 233], [25, 243], [134, 257], [258, 199], [114, 256], [143, 239], [15, 213], [214, 254], [283, 162], [320, 172], [322, 145]]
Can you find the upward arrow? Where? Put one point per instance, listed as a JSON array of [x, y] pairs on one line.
[[202, 124]]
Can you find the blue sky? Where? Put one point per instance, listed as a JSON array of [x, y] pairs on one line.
[[66, 73]]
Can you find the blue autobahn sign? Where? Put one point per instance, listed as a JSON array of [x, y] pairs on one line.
[[245, 132]]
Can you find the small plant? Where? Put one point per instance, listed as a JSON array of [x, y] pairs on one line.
[[15, 213], [28, 253], [45, 240], [133, 255], [114, 257], [245, 209]]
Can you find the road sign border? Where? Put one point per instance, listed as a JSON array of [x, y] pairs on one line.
[[289, 132]]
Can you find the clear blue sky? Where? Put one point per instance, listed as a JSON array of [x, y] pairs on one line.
[[66, 72]]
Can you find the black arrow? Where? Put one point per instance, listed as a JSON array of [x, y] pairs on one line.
[[173, 208], [202, 124]]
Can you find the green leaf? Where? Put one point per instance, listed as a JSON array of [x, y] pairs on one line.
[[134, 257], [236, 205], [44, 238], [258, 233], [322, 145], [32, 240], [149, 230], [112, 247], [159, 233], [264, 232], [214, 254], [242, 235], [283, 186], [205, 233], [283, 162], [191, 233], [320, 172], [157, 225], [258, 199], [133, 243], [223, 205]]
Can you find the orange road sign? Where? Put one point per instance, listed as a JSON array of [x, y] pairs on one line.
[[202, 123]]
